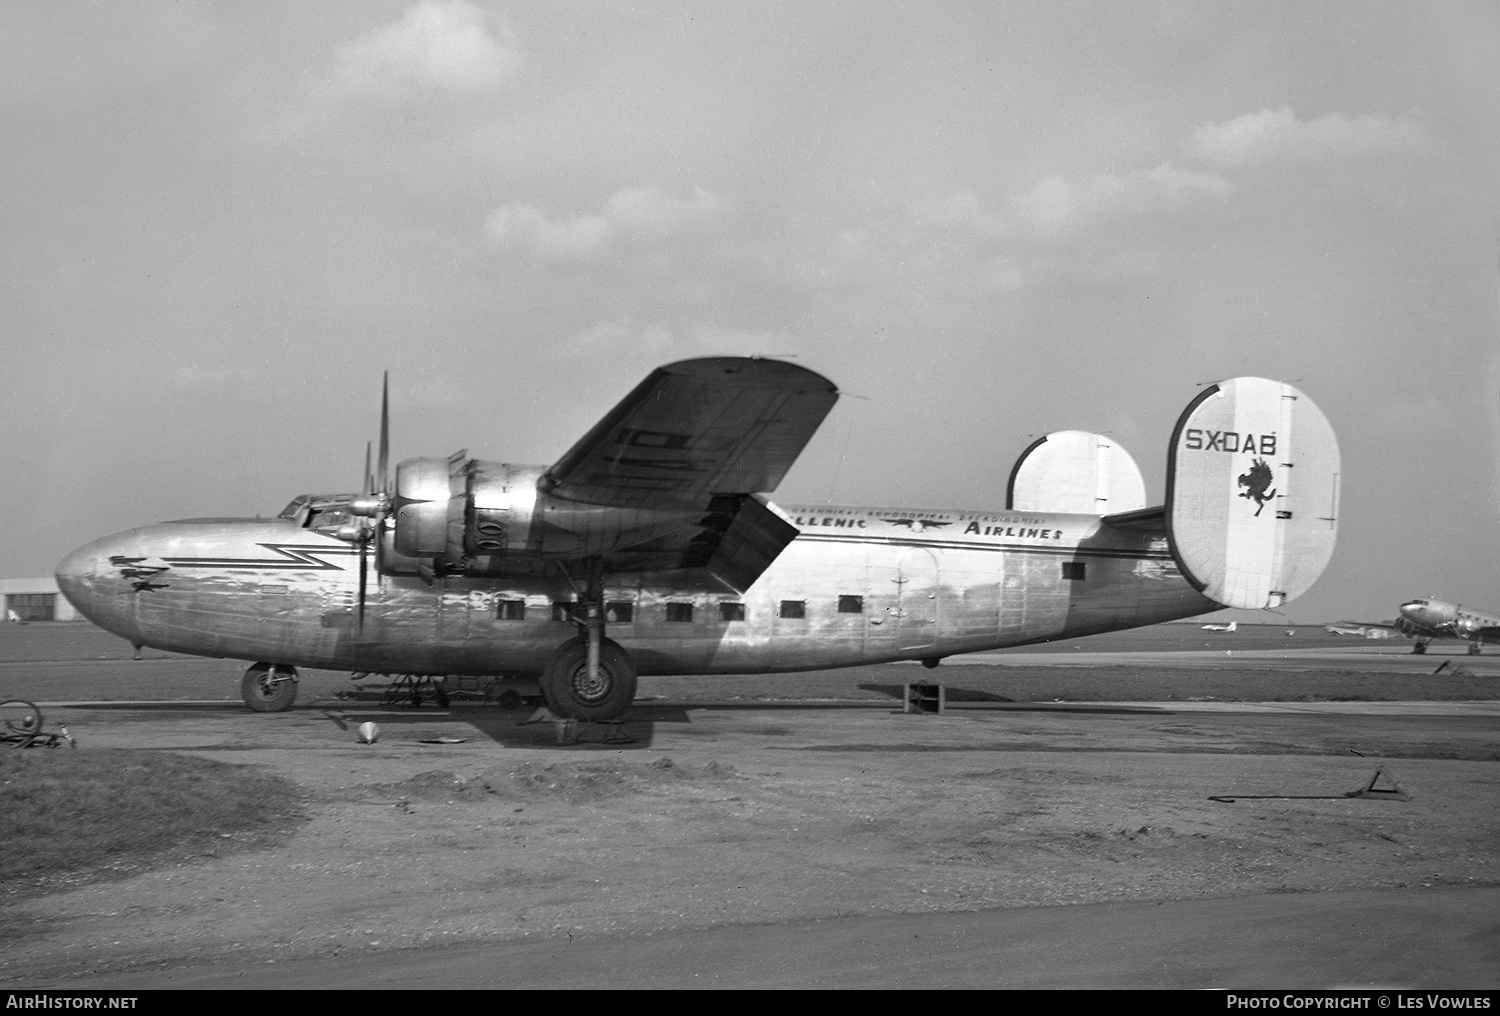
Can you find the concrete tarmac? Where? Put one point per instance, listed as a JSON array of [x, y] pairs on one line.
[[959, 851], [1448, 938], [820, 808]]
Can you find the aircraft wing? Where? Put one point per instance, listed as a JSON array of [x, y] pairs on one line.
[[673, 469], [719, 425]]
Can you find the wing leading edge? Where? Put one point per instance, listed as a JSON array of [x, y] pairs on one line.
[[719, 425], [691, 446]]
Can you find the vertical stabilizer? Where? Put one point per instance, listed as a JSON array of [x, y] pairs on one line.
[[1075, 471], [1252, 492]]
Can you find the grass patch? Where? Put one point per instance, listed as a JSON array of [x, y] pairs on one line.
[[70, 817]]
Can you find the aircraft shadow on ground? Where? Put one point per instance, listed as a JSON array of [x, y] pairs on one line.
[[968, 698], [512, 728]]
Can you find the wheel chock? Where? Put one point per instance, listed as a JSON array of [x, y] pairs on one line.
[[1382, 787], [616, 733]]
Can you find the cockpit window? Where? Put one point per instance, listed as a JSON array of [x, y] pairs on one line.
[[319, 511], [330, 517]]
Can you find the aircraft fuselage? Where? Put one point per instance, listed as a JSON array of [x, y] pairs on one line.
[[857, 585]]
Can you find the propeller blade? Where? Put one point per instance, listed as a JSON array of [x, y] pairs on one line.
[[369, 485], [362, 582], [385, 433]]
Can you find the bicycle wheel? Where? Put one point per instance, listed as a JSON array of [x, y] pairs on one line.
[[19, 718]]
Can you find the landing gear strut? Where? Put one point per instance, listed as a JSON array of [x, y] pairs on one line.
[[590, 677], [269, 687]]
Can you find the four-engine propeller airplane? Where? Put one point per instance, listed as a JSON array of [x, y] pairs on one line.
[[650, 548]]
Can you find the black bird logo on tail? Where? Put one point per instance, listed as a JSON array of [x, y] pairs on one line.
[[1255, 483]]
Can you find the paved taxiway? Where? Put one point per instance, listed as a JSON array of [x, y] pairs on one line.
[[1374, 659], [751, 842], [1004, 844]]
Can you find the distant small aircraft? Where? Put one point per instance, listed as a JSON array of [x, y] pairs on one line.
[[650, 548], [1362, 630], [1428, 619], [1220, 627]]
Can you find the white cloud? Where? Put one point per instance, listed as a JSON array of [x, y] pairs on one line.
[[440, 47], [636, 214], [1277, 135], [1055, 205]]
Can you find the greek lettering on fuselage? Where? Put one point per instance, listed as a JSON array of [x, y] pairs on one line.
[[1229, 441], [974, 525]]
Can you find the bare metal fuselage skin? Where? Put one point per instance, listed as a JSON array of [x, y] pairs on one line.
[[914, 584]]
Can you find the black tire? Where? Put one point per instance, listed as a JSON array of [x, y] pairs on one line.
[[267, 688], [19, 718], [1474, 649], [566, 686], [1419, 649]]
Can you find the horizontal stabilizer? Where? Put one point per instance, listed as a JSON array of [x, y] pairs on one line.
[[1075, 471], [1252, 492], [1143, 520]]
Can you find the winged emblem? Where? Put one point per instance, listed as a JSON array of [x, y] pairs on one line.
[[917, 525]]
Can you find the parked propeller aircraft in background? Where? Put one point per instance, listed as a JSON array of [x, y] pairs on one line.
[[650, 548], [1363, 630], [1429, 619], [1220, 627]]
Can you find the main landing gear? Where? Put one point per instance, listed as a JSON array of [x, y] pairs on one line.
[[269, 687], [1419, 649], [590, 677], [1474, 648]]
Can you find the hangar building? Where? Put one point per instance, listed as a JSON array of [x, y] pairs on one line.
[[36, 600]]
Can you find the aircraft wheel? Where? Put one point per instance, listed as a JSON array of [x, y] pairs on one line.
[[1419, 649], [571, 695], [1474, 648], [268, 688]]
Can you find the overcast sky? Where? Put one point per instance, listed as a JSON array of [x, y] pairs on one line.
[[222, 221]]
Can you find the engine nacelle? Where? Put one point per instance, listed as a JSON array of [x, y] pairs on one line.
[[462, 510], [420, 513], [465, 515], [500, 502]]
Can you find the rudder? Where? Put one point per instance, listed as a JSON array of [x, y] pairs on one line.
[[1252, 492]]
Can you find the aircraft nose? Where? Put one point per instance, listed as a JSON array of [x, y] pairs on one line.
[[89, 581], [75, 574]]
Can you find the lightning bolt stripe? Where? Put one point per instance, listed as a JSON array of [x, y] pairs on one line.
[[300, 556]]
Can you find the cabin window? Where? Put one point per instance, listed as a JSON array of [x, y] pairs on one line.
[[680, 613], [622, 612], [1073, 571], [851, 604], [731, 612], [510, 610], [562, 610], [794, 608]]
